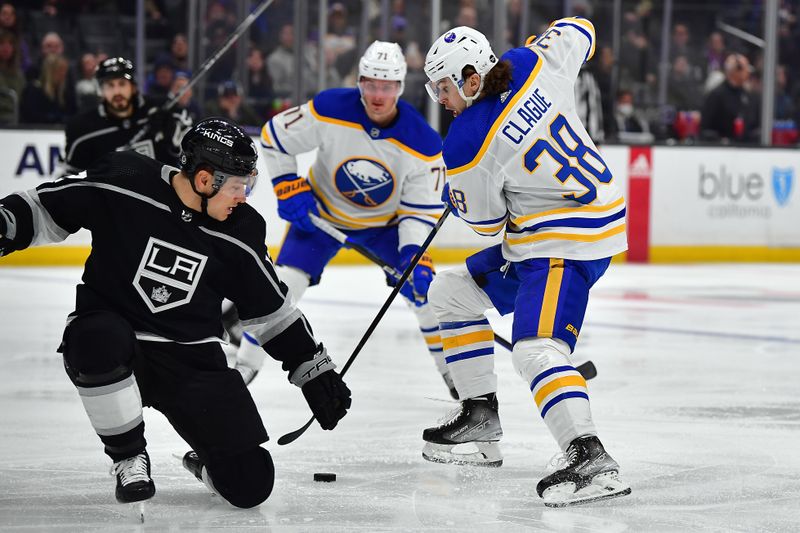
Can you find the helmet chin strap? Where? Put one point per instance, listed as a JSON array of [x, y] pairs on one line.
[[469, 100], [204, 198]]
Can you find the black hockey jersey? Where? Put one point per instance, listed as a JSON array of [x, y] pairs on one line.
[[164, 267], [94, 133]]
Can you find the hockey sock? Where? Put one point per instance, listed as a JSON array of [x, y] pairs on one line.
[[469, 354], [115, 412], [558, 389], [429, 327]]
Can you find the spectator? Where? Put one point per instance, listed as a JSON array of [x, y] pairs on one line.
[[603, 67], [51, 44], [280, 65], [187, 100], [229, 104], [785, 105], [714, 54], [11, 77], [179, 52], [727, 113], [160, 82], [259, 82], [630, 125], [51, 98], [9, 22], [683, 91], [86, 87], [340, 40]]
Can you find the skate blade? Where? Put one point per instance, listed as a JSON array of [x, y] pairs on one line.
[[136, 510], [469, 453], [604, 486]]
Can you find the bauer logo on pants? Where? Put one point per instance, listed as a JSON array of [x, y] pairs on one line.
[[168, 275], [364, 182]]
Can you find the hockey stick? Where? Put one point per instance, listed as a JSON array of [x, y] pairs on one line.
[[587, 369], [205, 67], [340, 236], [292, 436]]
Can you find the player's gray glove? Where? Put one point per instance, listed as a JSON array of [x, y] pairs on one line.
[[325, 392]]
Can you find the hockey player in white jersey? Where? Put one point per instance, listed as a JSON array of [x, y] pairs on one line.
[[377, 177], [518, 160]]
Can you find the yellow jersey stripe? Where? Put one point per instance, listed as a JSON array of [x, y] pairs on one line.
[[493, 131], [547, 316], [566, 381], [433, 339], [570, 211], [577, 237], [449, 343]]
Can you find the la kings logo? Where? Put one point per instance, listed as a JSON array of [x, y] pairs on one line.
[[168, 275]]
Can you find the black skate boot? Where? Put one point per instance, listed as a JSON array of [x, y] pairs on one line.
[[450, 385], [193, 464], [475, 424], [590, 474], [133, 479]]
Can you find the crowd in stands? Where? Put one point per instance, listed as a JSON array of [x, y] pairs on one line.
[[49, 49]]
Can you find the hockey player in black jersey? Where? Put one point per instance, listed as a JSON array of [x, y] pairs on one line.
[[121, 114], [167, 246]]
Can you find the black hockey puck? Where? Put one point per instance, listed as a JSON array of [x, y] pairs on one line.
[[324, 476]]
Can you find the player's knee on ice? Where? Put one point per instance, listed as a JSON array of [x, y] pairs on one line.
[[96, 344], [244, 480]]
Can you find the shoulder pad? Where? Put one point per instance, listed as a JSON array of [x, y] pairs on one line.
[[339, 104]]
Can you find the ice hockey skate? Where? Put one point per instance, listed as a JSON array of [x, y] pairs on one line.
[[134, 484], [588, 474], [467, 436]]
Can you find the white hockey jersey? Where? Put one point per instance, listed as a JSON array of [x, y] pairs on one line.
[[523, 161], [364, 176]]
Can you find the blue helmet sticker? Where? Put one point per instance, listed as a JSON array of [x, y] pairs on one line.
[[450, 37], [364, 182]]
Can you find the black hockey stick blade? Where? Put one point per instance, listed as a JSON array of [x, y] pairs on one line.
[[292, 436], [587, 369]]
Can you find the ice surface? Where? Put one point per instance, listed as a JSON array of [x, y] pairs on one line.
[[697, 398]]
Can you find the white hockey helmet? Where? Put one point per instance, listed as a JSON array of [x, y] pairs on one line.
[[453, 51], [383, 61]]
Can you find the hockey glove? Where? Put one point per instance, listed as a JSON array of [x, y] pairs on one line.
[[448, 200], [421, 277], [325, 392], [295, 201]]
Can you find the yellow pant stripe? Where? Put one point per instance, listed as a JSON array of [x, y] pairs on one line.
[[547, 316]]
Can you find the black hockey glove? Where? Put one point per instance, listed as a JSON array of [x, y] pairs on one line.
[[325, 392]]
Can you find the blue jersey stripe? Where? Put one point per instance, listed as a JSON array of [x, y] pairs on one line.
[[274, 136], [484, 222], [469, 355], [573, 222], [429, 330], [428, 222], [549, 372], [422, 206], [459, 325], [562, 397], [583, 31]]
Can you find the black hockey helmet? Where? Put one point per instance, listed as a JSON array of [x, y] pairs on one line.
[[114, 67], [224, 147]]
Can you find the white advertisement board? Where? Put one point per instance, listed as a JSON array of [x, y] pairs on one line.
[[725, 197]]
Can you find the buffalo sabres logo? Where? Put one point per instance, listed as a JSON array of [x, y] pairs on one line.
[[364, 182], [167, 275], [782, 181]]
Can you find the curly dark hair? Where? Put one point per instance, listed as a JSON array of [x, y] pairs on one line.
[[496, 80]]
